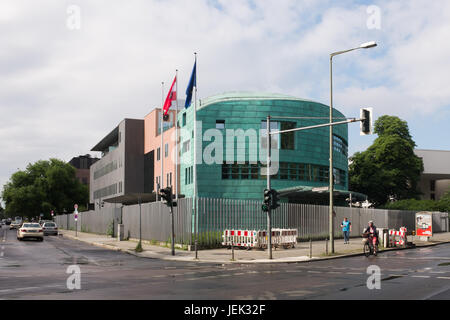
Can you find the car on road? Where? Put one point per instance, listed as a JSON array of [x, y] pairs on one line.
[[50, 228], [30, 230], [15, 225]]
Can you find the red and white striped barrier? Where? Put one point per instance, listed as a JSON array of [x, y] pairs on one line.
[[397, 237], [259, 239]]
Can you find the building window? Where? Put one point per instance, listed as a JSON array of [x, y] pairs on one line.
[[166, 150], [274, 126], [340, 145], [111, 166], [158, 154], [220, 124], [170, 179], [432, 185], [288, 138], [186, 146], [184, 119]]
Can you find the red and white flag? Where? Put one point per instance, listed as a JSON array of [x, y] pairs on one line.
[[171, 96]]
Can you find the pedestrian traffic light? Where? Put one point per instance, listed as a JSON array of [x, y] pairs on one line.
[[366, 121], [267, 200], [275, 199], [166, 195]]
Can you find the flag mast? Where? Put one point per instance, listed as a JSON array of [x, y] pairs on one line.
[[161, 181], [176, 136], [195, 158]]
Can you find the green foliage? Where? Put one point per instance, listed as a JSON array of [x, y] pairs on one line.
[[110, 231], [389, 167], [139, 247], [444, 202], [43, 186], [413, 205]]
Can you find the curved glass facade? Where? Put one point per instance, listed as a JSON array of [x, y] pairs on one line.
[[303, 155]]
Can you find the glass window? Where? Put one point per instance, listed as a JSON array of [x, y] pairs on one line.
[[220, 124], [166, 150], [274, 126], [254, 170], [284, 171], [245, 170], [234, 171], [293, 173], [288, 138], [158, 154], [184, 119], [226, 171], [340, 145]]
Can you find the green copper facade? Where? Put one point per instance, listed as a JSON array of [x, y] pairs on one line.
[[303, 155]]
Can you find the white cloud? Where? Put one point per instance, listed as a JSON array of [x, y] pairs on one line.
[[62, 90]]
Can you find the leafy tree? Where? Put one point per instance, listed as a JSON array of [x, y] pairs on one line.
[[444, 202], [388, 169], [42, 187]]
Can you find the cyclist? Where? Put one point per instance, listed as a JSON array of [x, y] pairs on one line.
[[371, 230]]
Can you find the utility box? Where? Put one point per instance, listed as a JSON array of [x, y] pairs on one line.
[[120, 232]]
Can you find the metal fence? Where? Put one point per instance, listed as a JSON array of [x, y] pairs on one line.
[[216, 215]]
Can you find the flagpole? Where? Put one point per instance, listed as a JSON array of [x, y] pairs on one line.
[[161, 154], [195, 159], [176, 136]]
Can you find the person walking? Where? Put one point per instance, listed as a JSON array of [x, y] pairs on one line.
[[346, 229]]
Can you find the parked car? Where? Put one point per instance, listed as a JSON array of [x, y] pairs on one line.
[[15, 225], [30, 230], [8, 222], [50, 228]]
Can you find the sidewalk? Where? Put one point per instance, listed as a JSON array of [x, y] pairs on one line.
[[298, 254]]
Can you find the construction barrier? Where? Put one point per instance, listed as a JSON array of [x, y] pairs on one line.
[[397, 238], [286, 238]]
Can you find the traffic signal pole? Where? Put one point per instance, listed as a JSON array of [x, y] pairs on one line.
[[269, 224]]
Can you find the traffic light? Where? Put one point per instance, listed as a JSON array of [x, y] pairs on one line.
[[166, 195], [275, 199], [267, 200], [366, 122]]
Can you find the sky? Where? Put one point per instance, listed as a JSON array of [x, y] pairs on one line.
[[70, 71]]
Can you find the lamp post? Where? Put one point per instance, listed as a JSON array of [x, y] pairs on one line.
[[366, 45]]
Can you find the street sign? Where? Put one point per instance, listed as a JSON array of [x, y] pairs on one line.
[[424, 224], [76, 207], [52, 213], [75, 216]]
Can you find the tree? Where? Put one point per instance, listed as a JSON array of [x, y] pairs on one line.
[[42, 187], [388, 169]]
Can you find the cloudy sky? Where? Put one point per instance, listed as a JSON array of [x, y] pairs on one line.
[[71, 70]]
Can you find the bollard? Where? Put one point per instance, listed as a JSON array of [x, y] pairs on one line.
[[232, 250], [326, 246], [310, 248]]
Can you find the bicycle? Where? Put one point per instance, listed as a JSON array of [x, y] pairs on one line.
[[368, 248]]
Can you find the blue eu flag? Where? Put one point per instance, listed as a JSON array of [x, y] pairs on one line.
[[191, 85]]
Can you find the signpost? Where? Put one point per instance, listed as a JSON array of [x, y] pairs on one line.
[[424, 225], [75, 215]]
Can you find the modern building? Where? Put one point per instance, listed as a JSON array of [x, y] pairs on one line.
[[231, 152], [435, 179], [120, 170], [82, 165], [303, 155]]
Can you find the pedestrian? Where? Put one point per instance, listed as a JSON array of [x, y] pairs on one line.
[[346, 229]]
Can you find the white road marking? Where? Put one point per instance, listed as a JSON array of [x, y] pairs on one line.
[[420, 276], [312, 271], [354, 273], [447, 278]]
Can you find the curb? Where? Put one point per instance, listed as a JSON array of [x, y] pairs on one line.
[[260, 261]]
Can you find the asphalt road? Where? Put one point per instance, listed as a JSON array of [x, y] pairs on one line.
[[37, 270]]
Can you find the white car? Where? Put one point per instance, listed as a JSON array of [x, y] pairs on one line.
[[50, 228], [30, 230]]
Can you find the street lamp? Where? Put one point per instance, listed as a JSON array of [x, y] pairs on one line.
[[366, 45]]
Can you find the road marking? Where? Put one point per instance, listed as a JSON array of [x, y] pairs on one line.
[[238, 274], [312, 271], [420, 276], [438, 272], [160, 276], [447, 278], [335, 272], [354, 273]]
